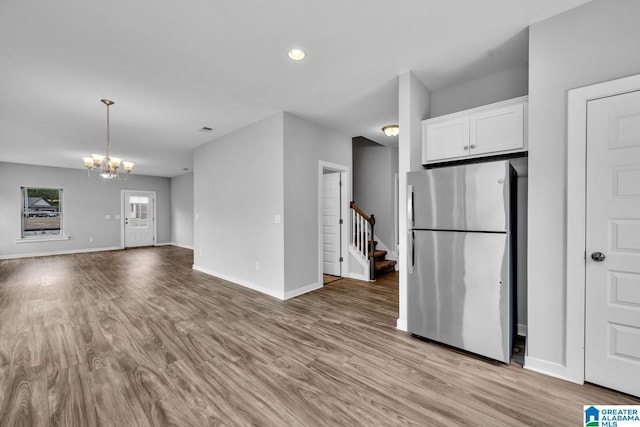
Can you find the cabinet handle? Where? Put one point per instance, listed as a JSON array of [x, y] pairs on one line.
[[473, 146], [466, 147]]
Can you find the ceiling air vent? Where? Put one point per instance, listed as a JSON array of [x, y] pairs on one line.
[[205, 129]]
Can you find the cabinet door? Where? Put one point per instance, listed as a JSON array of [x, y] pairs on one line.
[[497, 130], [445, 140]]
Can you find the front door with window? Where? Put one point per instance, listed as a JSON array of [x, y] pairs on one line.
[[139, 218]]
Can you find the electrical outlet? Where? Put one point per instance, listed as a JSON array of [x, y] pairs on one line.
[[107, 217], [91, 239], [257, 266]]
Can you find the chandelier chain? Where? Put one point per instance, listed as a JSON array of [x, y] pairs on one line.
[[105, 166], [108, 136]]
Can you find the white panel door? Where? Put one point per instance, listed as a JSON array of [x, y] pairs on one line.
[[331, 224], [139, 217], [612, 321]]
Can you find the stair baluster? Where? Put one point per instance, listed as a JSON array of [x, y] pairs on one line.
[[363, 241], [372, 258], [362, 236]]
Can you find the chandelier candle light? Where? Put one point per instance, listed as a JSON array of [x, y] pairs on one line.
[[107, 166]]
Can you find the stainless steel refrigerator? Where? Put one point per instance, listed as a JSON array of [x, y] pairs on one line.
[[461, 258]]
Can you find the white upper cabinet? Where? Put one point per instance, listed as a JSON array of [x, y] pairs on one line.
[[493, 129], [445, 140]]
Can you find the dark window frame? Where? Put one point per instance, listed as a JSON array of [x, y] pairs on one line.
[[41, 213]]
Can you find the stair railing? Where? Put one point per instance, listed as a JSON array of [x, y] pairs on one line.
[[362, 226]]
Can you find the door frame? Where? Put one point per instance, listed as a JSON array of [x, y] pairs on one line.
[[337, 244], [345, 195], [576, 214], [122, 215], [396, 213]]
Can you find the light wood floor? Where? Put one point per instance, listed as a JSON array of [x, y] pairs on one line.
[[136, 338]]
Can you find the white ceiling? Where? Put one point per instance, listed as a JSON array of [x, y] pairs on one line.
[[173, 67]]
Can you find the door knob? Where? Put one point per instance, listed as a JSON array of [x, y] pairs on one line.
[[598, 256]]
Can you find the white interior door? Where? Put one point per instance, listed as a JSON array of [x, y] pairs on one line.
[[139, 218], [331, 224], [612, 321]]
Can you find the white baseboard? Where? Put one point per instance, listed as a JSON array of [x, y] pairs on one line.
[[362, 262], [164, 244], [548, 368], [522, 330], [358, 276], [402, 324], [64, 252], [182, 246], [279, 295], [297, 292], [240, 282]]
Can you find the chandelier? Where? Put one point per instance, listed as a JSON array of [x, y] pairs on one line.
[[106, 166]]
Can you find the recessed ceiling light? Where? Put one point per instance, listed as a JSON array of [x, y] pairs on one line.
[[297, 54], [391, 130]]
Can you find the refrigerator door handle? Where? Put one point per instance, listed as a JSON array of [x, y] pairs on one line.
[[412, 257], [410, 211]]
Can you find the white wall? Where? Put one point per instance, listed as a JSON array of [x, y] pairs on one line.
[[416, 103], [506, 84], [499, 86], [590, 44], [86, 201], [413, 107], [238, 189], [182, 210], [305, 144], [242, 182], [521, 251], [374, 166]]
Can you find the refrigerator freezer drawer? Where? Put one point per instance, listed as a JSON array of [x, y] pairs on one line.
[[460, 291], [468, 197]]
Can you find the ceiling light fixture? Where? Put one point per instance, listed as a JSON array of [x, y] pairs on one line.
[[391, 130], [297, 54], [107, 166]]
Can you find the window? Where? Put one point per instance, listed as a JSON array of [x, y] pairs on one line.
[[139, 215], [41, 212]]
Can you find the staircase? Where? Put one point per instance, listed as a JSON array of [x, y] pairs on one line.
[[363, 241], [381, 264]]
